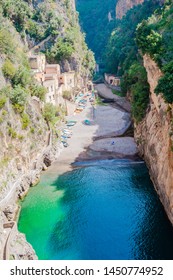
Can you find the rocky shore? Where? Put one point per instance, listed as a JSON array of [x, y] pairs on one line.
[[12, 243]]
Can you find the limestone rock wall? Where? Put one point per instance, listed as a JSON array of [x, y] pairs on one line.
[[16, 246], [154, 136], [124, 5]]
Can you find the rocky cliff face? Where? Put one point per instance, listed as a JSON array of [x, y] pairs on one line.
[[22, 158], [124, 5], [27, 144], [21, 155], [154, 136]]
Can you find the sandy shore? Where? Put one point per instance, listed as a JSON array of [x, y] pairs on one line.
[[95, 141], [106, 93], [116, 146]]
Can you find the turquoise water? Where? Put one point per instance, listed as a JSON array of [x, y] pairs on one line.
[[107, 210]]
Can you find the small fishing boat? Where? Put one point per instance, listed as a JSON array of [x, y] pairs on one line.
[[87, 122]]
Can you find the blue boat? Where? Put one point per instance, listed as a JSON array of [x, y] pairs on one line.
[[87, 122]]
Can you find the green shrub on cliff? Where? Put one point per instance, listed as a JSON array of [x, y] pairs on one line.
[[17, 11], [3, 96], [154, 37], [12, 132], [35, 30], [25, 120], [135, 82], [62, 49], [140, 100], [22, 77], [149, 41], [8, 69], [49, 112], [38, 91], [18, 95], [66, 94], [165, 84], [3, 100], [7, 45], [18, 108]]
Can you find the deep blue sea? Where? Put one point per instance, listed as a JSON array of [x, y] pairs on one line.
[[106, 210]]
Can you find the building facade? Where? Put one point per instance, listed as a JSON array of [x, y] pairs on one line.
[[112, 80], [50, 76]]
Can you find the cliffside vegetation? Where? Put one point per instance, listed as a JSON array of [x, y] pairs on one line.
[[154, 37], [23, 121], [55, 22], [30, 22], [135, 82], [124, 59], [19, 85], [22, 126]]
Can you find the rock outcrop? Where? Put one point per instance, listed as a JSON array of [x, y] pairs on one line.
[[154, 136], [124, 5], [14, 244]]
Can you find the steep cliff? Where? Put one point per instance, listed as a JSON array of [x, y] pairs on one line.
[[25, 146], [28, 131], [154, 136], [52, 27], [121, 51], [154, 127], [124, 5]]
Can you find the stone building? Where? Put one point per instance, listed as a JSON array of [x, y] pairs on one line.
[[37, 63], [47, 75], [53, 69], [49, 84], [112, 80], [50, 76], [68, 81]]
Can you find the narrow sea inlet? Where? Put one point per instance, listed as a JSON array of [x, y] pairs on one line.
[[107, 210]]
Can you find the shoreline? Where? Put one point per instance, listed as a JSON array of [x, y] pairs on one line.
[[80, 144], [102, 128]]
